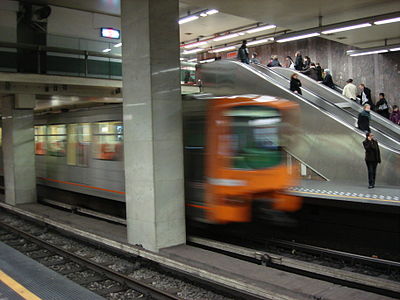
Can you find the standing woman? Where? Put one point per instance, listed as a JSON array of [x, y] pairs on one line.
[[295, 84], [372, 157]]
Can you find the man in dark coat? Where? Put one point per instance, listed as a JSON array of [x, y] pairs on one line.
[[365, 95], [382, 106], [372, 158], [319, 70], [243, 53], [311, 72], [363, 119], [328, 81], [298, 61]]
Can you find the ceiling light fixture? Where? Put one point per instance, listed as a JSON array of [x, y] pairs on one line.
[[118, 45], [192, 60], [212, 12], [297, 37], [387, 21], [373, 50], [192, 51], [106, 50], [225, 37], [192, 17], [369, 52], [223, 49], [262, 41], [207, 60], [346, 28], [261, 28], [196, 44], [188, 19]]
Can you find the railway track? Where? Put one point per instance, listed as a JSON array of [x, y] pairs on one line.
[[357, 271], [105, 274]]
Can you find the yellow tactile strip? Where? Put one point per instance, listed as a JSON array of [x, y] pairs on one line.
[[17, 287]]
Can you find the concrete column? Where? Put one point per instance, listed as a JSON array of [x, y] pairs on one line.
[[18, 149], [152, 112]]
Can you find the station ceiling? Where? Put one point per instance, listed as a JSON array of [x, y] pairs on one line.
[[286, 14]]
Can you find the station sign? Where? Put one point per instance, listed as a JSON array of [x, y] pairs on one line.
[[110, 33]]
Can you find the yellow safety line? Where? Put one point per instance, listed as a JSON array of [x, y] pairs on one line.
[[16, 287], [343, 196]]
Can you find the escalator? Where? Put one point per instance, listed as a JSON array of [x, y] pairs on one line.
[[328, 140], [335, 97]]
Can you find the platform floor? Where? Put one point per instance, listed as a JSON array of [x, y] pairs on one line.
[[198, 261], [23, 278], [381, 195]]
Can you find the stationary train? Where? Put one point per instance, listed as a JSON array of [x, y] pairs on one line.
[[235, 166]]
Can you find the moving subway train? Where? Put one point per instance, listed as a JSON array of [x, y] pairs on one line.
[[234, 157]]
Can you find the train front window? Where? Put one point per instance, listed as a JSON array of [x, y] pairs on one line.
[[254, 137]]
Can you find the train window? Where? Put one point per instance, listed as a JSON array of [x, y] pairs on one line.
[[108, 140], [40, 140], [56, 137], [79, 136], [254, 138]]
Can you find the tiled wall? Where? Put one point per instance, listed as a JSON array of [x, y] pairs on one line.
[[379, 72]]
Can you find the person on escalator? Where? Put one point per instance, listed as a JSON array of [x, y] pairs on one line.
[[254, 59], [382, 106], [289, 63], [243, 53], [311, 72], [295, 84], [274, 62], [298, 61], [328, 81], [372, 157], [350, 90], [363, 119], [365, 96], [395, 115], [319, 70]]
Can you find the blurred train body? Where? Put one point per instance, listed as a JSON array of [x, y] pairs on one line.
[[234, 160]]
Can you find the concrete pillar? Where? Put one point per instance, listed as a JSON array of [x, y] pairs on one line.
[[152, 113], [18, 149]]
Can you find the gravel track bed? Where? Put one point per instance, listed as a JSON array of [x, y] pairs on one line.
[[133, 267]]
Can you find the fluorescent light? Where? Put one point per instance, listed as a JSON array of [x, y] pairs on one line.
[[207, 60], [392, 20], [188, 19], [370, 52], [261, 28], [346, 28], [106, 50], [203, 14], [192, 60], [189, 46], [256, 42], [212, 11], [223, 49], [298, 37], [225, 37], [181, 58], [395, 49], [192, 51], [118, 45]]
